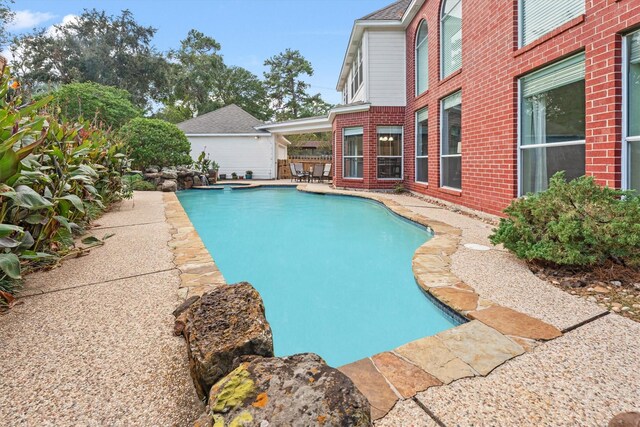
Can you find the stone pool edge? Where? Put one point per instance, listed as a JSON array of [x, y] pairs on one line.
[[493, 334]]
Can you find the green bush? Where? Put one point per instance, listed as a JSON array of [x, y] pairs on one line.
[[137, 183], [573, 223], [104, 105], [156, 142]]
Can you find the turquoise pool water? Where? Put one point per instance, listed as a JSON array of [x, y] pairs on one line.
[[334, 272]]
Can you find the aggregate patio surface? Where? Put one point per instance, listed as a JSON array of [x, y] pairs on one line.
[[99, 350]]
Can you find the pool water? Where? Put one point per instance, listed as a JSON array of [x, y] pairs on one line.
[[334, 272]]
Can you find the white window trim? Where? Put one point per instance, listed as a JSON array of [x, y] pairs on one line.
[[401, 157], [625, 157], [441, 23], [352, 157], [442, 139], [415, 175], [415, 57]]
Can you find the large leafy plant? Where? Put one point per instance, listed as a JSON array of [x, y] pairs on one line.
[[54, 177]]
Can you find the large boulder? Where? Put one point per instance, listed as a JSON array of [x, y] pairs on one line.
[[299, 390], [169, 185], [224, 324], [169, 174]]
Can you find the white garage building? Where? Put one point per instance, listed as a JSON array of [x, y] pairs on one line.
[[231, 138]]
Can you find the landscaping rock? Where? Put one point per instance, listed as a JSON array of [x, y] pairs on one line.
[[169, 174], [224, 324], [299, 390], [626, 419], [196, 181], [169, 186]]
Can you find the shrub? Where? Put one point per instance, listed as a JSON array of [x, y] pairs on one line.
[[573, 223], [137, 183], [104, 105], [156, 142]]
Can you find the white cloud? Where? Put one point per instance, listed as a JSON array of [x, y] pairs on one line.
[[26, 19], [53, 31]]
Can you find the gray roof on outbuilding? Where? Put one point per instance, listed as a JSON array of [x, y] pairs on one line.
[[226, 120], [392, 12]]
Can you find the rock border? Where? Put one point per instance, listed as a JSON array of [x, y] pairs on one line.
[[492, 335]]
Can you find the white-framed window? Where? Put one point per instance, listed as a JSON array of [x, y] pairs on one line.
[[389, 152], [631, 112], [451, 37], [552, 124], [451, 142], [422, 58], [357, 72], [352, 152], [539, 17], [422, 146]]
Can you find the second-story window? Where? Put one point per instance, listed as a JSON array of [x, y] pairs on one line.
[[422, 59], [356, 72], [539, 17], [451, 37]]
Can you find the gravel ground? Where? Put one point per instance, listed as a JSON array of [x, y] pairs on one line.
[[101, 354], [582, 378], [406, 413]]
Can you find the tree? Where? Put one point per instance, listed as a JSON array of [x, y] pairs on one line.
[[6, 17], [286, 89], [106, 49], [109, 106], [200, 82], [236, 85], [193, 74], [155, 142]]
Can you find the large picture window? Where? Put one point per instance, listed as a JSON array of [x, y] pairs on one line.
[[451, 137], [422, 59], [552, 124], [539, 17], [632, 110], [422, 147], [352, 152], [389, 152], [451, 37]]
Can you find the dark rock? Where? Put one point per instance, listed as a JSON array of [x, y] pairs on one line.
[[185, 305], [196, 181], [224, 324], [152, 169], [152, 175], [169, 185], [300, 390], [626, 419]]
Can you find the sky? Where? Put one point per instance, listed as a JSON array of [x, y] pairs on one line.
[[249, 31]]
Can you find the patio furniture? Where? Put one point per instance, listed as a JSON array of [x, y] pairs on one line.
[[298, 175], [326, 173], [317, 172]]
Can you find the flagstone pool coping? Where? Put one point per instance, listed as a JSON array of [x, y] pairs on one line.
[[492, 335]]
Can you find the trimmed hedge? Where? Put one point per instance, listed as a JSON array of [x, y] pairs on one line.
[[155, 142]]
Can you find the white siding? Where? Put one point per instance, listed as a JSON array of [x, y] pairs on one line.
[[386, 63], [238, 154]]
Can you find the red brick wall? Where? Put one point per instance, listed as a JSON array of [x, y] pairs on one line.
[[491, 66], [369, 120]]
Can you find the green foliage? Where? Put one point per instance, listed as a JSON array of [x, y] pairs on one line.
[[105, 106], [286, 89], [54, 176], [136, 182], [112, 50], [155, 142], [6, 17], [573, 223], [203, 163]]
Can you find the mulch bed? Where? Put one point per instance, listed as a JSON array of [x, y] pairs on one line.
[[612, 286]]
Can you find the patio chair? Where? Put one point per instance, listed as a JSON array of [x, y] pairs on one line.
[[317, 172], [326, 173], [295, 174]]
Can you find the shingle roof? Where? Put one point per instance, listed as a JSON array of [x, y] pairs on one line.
[[230, 119], [392, 12]]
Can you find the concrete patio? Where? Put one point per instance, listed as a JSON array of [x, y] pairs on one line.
[[91, 342]]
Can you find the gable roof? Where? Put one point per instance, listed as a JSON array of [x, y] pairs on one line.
[[226, 120], [392, 12]]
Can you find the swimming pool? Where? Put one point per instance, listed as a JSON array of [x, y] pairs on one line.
[[334, 272]]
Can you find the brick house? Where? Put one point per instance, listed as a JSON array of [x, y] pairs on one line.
[[479, 102]]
